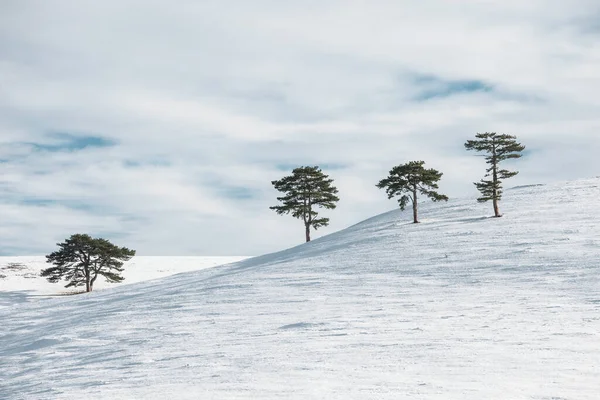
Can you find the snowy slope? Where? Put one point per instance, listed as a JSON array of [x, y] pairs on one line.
[[460, 306], [20, 278]]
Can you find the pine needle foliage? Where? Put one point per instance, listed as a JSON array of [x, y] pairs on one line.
[[307, 189], [499, 147], [409, 180], [81, 259]]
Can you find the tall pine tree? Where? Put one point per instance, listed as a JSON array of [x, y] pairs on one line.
[[305, 190], [408, 181], [499, 147]]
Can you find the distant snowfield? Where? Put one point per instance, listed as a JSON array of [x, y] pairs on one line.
[[20, 278], [461, 306]]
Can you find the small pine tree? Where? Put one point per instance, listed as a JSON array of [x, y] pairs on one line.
[[306, 189], [81, 259], [499, 147], [408, 180]]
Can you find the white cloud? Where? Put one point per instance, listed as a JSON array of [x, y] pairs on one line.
[[208, 100]]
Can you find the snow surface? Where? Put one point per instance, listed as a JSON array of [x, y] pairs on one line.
[[461, 306], [20, 278]]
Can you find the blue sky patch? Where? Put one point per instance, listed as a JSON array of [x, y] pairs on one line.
[[237, 192], [60, 141], [71, 204], [142, 163], [431, 87]]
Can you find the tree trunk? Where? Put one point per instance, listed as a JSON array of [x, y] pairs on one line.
[[92, 281], [88, 286], [415, 208], [307, 226], [495, 182], [496, 208], [495, 194]]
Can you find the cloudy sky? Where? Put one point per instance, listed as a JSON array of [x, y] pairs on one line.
[[160, 124]]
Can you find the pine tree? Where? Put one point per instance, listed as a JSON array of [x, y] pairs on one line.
[[306, 189], [81, 259], [409, 180], [499, 147]]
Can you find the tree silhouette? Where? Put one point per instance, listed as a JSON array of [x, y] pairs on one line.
[[408, 181], [306, 189], [81, 259], [499, 147]]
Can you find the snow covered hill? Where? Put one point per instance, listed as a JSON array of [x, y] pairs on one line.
[[461, 306]]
